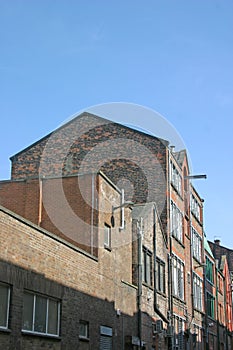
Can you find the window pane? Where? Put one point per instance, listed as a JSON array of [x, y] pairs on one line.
[[148, 269], [84, 329], [107, 236], [53, 317], [28, 300], [4, 290], [40, 314]]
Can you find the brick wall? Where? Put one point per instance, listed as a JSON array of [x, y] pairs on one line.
[[88, 288], [90, 144]]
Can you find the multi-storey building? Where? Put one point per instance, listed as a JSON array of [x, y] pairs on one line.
[[167, 262], [58, 295], [224, 261]]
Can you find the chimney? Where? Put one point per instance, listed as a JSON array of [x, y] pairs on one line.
[[217, 241]]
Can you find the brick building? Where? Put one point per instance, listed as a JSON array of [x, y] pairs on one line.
[[224, 263], [53, 179]]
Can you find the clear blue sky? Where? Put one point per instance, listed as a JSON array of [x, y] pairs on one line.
[[175, 57]]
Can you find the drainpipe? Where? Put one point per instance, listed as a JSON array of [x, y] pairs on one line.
[[40, 201], [216, 294], [92, 212], [140, 282], [170, 298], [206, 340]]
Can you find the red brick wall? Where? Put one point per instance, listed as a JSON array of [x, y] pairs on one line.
[[65, 210], [89, 143]]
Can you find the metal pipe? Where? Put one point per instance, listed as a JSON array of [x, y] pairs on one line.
[[92, 213], [40, 201], [140, 282]]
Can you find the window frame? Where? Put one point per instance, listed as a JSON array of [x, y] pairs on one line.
[[160, 271], [176, 219], [178, 288], [196, 245], [197, 292], [147, 262], [2, 284], [107, 228], [209, 270], [86, 327], [210, 307], [195, 207], [175, 178], [48, 298]]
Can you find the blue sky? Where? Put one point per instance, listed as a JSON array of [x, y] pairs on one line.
[[174, 57]]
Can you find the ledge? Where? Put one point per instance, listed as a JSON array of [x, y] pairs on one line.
[[42, 335]]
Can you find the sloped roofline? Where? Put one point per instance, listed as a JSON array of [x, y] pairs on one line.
[[165, 142]]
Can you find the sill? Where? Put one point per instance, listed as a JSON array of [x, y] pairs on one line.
[[5, 330], [177, 240], [210, 282], [179, 299], [43, 335], [198, 310], [196, 218], [147, 285], [107, 248], [161, 293], [176, 190], [197, 260], [84, 338]]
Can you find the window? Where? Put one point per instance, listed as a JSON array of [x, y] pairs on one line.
[[147, 266], [84, 329], [197, 292], [40, 314], [210, 305], [175, 178], [178, 277], [178, 333], [220, 284], [160, 275], [105, 338], [195, 207], [4, 305], [176, 222], [209, 270], [221, 313], [107, 236], [196, 241]]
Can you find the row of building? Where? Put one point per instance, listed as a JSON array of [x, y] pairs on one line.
[[103, 247]]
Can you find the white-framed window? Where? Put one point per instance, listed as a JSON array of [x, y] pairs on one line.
[[178, 277], [197, 292], [195, 207], [4, 305], [146, 266], [176, 222], [107, 236], [196, 243], [41, 314], [84, 329], [175, 178], [105, 338]]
